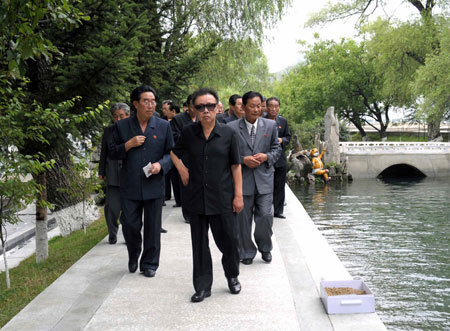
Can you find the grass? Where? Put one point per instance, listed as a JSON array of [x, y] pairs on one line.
[[29, 279]]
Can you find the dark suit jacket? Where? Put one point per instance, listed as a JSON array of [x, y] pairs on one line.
[[231, 118], [178, 123], [221, 119], [134, 185], [108, 168], [259, 179], [285, 134]]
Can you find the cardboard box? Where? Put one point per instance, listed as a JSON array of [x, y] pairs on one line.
[[347, 304]]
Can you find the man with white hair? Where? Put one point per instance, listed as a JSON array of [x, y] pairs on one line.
[[110, 169]]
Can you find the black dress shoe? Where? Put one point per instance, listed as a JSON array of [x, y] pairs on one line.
[[112, 240], [200, 295], [176, 205], [234, 285], [164, 204], [266, 256], [132, 266], [163, 230], [247, 261], [279, 216], [149, 273]]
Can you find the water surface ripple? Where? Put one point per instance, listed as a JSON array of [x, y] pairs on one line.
[[396, 237]]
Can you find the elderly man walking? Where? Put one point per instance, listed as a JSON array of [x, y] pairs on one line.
[[109, 170], [143, 143]]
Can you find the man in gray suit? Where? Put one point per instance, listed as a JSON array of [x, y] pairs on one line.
[[260, 149], [109, 169]]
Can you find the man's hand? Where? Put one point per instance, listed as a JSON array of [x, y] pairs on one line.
[[184, 174], [260, 157], [238, 204], [136, 141], [251, 161], [156, 168], [280, 140]]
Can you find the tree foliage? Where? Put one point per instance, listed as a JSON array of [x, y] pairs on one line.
[[342, 75], [235, 67], [365, 8], [433, 80], [403, 49]]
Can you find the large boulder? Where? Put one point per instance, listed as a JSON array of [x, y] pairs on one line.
[[300, 166]]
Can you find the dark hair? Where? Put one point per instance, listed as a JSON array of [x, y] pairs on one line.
[[189, 99], [174, 106], [251, 95], [166, 101], [264, 99], [233, 98], [273, 98], [204, 91], [185, 104], [136, 94]]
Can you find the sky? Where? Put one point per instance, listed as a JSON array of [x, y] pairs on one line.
[[281, 47]]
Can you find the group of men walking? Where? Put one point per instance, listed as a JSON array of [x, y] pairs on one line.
[[228, 165]]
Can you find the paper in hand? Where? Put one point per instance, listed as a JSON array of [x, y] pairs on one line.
[[147, 169]]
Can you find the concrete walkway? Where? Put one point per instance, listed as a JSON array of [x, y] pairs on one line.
[[98, 292]]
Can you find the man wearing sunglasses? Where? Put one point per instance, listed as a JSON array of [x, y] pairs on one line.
[[213, 179]]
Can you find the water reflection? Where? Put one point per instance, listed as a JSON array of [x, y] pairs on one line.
[[394, 234]]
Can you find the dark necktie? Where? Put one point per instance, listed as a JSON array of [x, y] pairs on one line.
[[252, 135]]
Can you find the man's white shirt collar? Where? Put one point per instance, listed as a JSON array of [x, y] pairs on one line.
[[249, 125]]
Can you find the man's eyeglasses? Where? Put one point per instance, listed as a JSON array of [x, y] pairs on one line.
[[149, 102], [209, 106]]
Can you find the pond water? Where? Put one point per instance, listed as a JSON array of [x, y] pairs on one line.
[[394, 235]]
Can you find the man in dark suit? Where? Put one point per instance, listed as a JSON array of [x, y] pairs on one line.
[[177, 124], [236, 112], [284, 137], [109, 169], [259, 148], [143, 143], [173, 179], [214, 181]]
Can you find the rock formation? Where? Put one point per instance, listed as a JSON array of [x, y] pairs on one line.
[[331, 137]]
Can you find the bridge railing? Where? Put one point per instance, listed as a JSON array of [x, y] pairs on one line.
[[371, 147]]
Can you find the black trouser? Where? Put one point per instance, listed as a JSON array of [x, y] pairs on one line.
[[132, 224], [112, 210], [176, 182], [184, 192], [168, 193], [172, 180], [225, 232], [279, 181]]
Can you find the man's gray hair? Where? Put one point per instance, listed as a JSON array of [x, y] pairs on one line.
[[120, 105]]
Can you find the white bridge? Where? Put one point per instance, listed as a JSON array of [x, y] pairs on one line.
[[371, 159]]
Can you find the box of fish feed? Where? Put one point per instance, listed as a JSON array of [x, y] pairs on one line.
[[346, 297]]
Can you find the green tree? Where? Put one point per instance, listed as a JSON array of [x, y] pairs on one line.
[[16, 190], [433, 80], [342, 75], [25, 47], [365, 8], [236, 67], [404, 47]]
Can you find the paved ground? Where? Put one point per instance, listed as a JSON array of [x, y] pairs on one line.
[[98, 292]]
